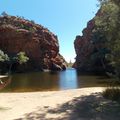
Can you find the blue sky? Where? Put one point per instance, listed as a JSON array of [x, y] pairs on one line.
[[65, 18]]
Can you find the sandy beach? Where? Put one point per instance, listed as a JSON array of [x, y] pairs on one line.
[[56, 105], [16, 105]]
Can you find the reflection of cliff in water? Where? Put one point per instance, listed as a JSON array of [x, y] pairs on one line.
[[48, 81], [4, 82], [31, 82]]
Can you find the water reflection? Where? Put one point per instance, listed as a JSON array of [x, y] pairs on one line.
[[68, 79], [4, 82], [45, 81], [33, 82]]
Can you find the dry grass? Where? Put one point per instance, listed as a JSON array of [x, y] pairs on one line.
[[112, 93]]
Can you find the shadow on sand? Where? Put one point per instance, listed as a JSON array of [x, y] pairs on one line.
[[92, 107]]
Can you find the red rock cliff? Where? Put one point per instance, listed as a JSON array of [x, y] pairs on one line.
[[85, 47], [39, 44]]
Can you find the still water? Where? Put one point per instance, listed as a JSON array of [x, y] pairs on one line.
[[46, 81]]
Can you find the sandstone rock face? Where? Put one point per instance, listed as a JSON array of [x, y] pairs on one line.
[[39, 44], [84, 48]]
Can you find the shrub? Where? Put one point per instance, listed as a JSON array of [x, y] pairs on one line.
[[22, 58], [112, 93], [3, 57]]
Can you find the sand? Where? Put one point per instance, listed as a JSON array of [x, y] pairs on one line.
[[35, 105], [2, 76]]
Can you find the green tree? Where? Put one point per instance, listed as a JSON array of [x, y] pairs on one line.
[[3, 60], [10, 60], [107, 31], [3, 57], [21, 58]]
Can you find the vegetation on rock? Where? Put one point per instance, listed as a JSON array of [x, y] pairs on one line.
[[40, 45], [3, 57], [22, 58], [98, 50], [7, 62], [107, 32]]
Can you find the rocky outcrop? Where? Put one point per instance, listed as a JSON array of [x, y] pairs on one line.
[[39, 44], [85, 48]]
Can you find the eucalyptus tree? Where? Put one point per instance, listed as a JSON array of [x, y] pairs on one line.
[[107, 31]]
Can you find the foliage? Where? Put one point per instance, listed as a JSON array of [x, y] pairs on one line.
[[107, 32], [18, 22], [8, 61], [112, 93], [22, 58], [69, 64], [3, 57]]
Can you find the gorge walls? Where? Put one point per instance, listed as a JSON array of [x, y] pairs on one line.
[[39, 44], [85, 48]]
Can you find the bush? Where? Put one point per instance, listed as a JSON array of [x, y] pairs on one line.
[[3, 57], [22, 58], [112, 93]]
